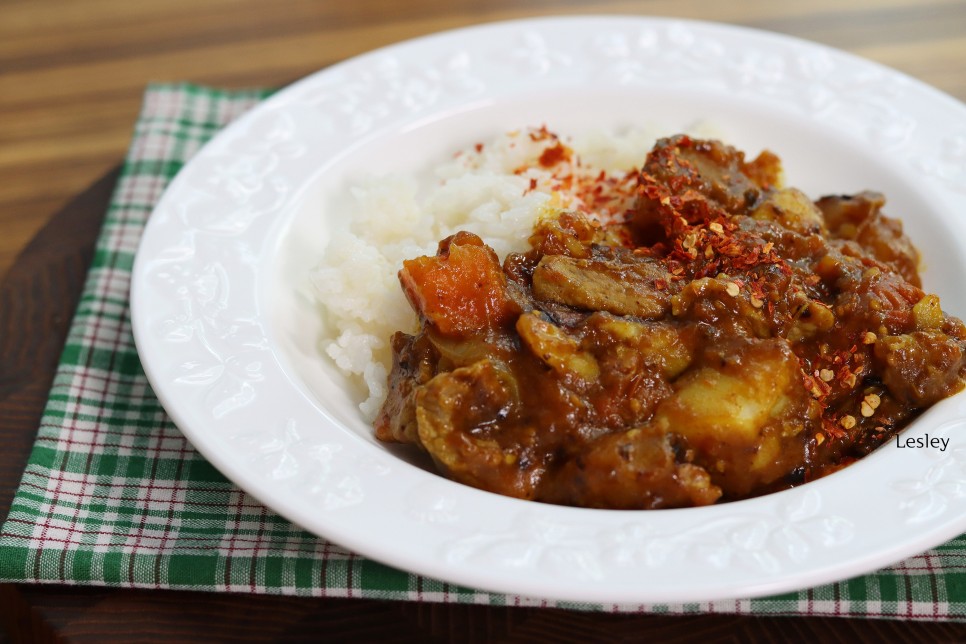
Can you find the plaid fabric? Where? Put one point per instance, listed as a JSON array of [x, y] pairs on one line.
[[114, 495]]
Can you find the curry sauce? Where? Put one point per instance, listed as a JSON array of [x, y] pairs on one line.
[[724, 338]]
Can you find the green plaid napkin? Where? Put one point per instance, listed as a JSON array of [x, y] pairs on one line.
[[114, 495]]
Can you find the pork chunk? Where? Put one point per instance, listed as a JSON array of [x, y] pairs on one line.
[[622, 288]]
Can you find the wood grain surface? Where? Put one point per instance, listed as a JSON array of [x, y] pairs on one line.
[[72, 73], [71, 78]]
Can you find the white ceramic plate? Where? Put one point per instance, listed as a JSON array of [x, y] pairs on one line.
[[230, 343]]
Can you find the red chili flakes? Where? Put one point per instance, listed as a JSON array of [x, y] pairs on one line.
[[758, 296], [565, 183], [837, 370], [604, 197], [554, 155], [542, 134], [833, 427], [815, 386]]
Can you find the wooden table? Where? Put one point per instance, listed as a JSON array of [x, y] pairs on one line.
[[71, 78]]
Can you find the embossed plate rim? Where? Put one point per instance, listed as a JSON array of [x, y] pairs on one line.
[[214, 228]]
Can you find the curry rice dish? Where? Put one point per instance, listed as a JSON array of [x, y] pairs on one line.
[[723, 338]]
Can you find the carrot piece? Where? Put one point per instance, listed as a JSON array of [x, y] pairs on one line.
[[462, 290]]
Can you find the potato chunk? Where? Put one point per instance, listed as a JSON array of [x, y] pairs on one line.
[[738, 410]]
